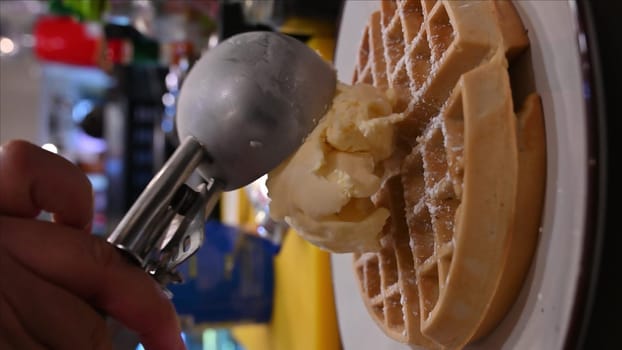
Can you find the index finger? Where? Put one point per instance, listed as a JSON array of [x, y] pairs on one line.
[[94, 270], [33, 179]]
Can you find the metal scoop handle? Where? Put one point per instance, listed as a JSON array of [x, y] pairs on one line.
[[164, 226]]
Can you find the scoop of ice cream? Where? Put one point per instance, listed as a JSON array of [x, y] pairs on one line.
[[323, 191]]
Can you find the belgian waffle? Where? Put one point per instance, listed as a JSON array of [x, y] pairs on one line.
[[465, 167]]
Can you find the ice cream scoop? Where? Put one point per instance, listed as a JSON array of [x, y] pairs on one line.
[[245, 106]]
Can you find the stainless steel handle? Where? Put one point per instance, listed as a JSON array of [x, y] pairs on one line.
[[165, 224]]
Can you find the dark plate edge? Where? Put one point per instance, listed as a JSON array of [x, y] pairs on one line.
[[580, 333]]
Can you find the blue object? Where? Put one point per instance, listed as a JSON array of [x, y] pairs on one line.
[[230, 278]]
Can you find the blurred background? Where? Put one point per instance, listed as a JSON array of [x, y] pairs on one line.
[[96, 81]]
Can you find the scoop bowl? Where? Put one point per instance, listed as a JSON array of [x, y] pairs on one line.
[[250, 102]]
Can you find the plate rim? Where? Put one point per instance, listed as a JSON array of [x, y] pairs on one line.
[[594, 224]]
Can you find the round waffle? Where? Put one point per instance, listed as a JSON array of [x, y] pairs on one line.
[[465, 184]]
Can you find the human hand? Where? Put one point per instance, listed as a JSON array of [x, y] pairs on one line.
[[54, 276]]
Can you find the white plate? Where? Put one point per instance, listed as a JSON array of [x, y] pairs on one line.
[[540, 318]]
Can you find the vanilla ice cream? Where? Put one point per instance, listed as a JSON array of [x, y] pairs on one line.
[[323, 191]]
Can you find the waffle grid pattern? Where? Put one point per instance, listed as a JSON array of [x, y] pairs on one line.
[[420, 49]]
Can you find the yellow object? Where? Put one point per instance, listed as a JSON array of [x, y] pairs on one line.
[[304, 315], [321, 34], [304, 309], [338, 165]]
